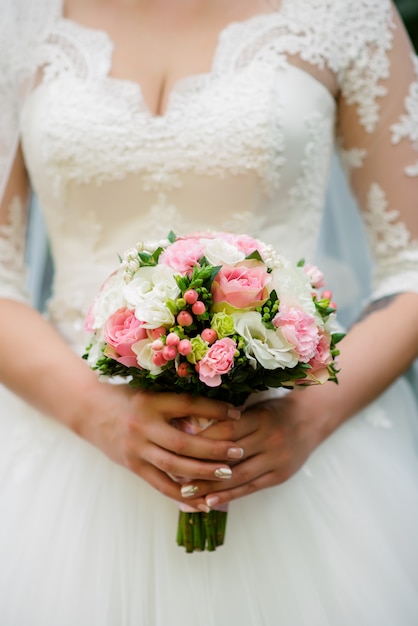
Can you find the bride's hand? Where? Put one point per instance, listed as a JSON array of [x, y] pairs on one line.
[[277, 437], [133, 428]]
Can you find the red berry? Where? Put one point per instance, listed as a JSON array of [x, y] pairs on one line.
[[172, 339], [158, 359], [185, 347], [209, 335], [157, 344], [191, 296], [198, 308], [169, 352], [183, 370], [184, 318], [327, 294], [155, 333]]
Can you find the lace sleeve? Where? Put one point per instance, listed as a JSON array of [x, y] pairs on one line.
[[22, 23], [378, 142], [13, 220]]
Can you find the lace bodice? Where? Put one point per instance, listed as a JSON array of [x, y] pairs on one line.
[[245, 146]]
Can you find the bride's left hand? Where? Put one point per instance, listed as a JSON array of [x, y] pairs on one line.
[[277, 437]]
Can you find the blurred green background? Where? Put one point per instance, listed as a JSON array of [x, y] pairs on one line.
[[409, 12]]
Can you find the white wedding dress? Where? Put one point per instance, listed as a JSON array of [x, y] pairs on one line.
[[245, 147]]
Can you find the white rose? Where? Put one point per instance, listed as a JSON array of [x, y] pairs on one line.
[[151, 282], [144, 354], [219, 252], [154, 313], [266, 346]]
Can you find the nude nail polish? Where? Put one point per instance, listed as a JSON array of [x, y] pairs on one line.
[[235, 453]]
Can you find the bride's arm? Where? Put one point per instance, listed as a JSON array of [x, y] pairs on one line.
[[278, 436], [131, 427]]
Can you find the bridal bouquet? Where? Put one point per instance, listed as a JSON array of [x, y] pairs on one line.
[[215, 314]]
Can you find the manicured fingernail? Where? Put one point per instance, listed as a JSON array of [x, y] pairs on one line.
[[235, 453], [223, 472], [188, 491], [203, 508], [234, 414], [212, 501]]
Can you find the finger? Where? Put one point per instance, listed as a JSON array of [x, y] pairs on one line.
[[195, 446], [191, 468], [182, 405]]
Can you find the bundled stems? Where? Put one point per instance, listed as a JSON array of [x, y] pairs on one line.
[[201, 531]]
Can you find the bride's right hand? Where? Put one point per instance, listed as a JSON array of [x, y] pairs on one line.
[[134, 429]]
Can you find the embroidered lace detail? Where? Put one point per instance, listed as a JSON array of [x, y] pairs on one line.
[[395, 254], [352, 159], [352, 39], [12, 254], [70, 48], [407, 127], [153, 227]]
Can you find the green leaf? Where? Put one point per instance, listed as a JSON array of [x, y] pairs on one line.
[[254, 255], [171, 237]]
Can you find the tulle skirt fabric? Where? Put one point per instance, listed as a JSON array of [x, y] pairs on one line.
[[83, 541]]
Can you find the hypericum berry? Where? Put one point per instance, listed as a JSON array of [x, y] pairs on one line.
[[209, 335], [169, 353], [197, 366], [198, 308], [158, 359], [155, 333], [183, 370], [327, 294], [157, 345], [184, 318], [332, 305], [172, 339], [184, 347], [191, 296]]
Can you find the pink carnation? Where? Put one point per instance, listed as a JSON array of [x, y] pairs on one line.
[[315, 275], [121, 331], [183, 255], [242, 286], [218, 360], [321, 360], [299, 329]]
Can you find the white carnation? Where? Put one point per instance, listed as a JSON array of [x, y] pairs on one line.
[[266, 346], [220, 252]]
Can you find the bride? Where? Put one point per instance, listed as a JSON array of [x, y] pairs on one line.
[[129, 118]]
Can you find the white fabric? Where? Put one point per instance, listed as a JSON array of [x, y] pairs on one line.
[[245, 147]]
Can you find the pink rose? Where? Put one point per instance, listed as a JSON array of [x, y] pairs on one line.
[[183, 255], [299, 329], [242, 286], [121, 331], [218, 360]]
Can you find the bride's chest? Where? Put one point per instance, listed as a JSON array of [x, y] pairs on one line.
[[252, 112]]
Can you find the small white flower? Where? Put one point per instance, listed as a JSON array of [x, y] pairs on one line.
[[144, 354]]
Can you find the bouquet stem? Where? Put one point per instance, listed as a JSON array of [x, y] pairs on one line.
[[201, 531]]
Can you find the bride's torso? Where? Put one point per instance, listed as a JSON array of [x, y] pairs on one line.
[[244, 146]]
